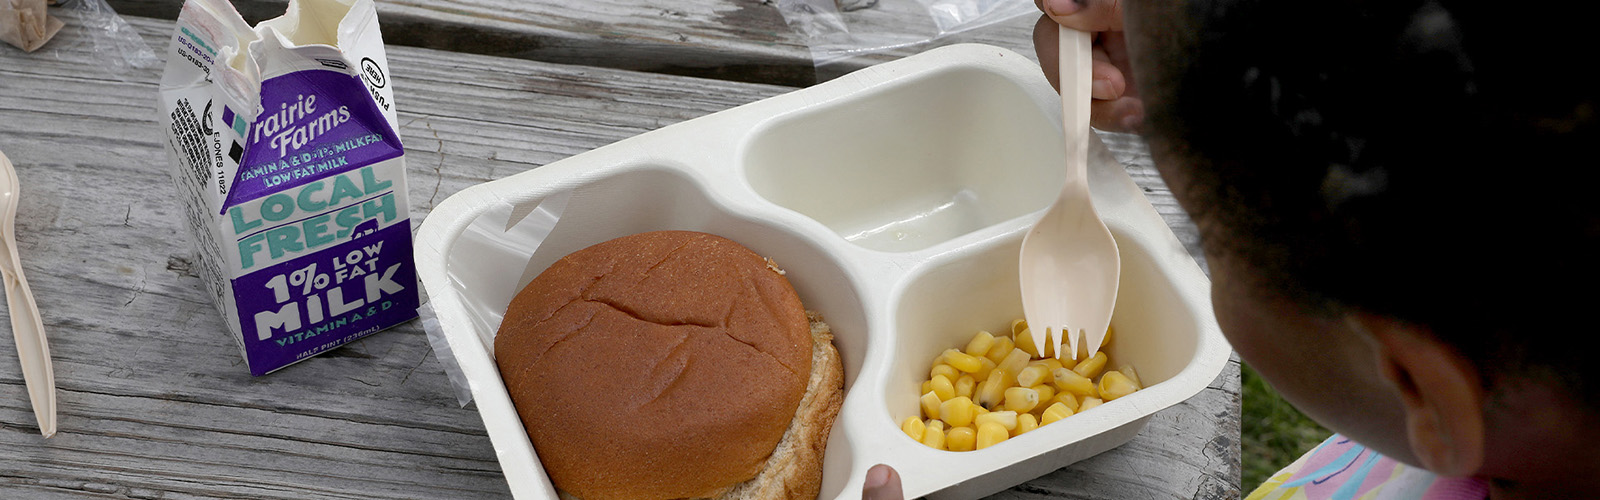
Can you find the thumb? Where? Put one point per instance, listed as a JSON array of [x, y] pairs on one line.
[[1084, 15], [882, 483]]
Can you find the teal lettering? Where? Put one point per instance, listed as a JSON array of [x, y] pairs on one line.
[[346, 219], [344, 188], [248, 247], [371, 182], [306, 203], [381, 205], [277, 207], [316, 231], [282, 240], [241, 226]]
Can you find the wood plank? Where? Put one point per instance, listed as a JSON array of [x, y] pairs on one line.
[[154, 400], [740, 40]]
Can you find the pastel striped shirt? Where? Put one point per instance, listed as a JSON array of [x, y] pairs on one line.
[[1341, 469]]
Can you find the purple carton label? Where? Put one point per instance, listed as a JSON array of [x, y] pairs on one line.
[[319, 232], [313, 124], [302, 307]]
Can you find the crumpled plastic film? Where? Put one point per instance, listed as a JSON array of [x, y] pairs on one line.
[[92, 26], [506, 233], [836, 30]]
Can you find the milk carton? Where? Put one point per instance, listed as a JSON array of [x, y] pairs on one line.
[[283, 146]]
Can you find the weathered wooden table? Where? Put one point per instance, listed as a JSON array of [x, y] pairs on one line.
[[154, 399]]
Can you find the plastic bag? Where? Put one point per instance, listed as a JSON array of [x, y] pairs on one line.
[[836, 30], [92, 26]]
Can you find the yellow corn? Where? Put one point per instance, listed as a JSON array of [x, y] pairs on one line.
[[1034, 374], [1021, 399], [933, 435], [1111, 333], [1013, 365], [1025, 422], [1114, 385], [957, 411], [1089, 404], [943, 388], [962, 361], [1055, 412], [913, 427], [1002, 347], [1018, 325], [980, 343], [1007, 419], [1067, 399], [960, 439], [990, 434], [1024, 340], [1090, 368], [965, 384], [1046, 393], [983, 373], [1127, 370], [930, 404], [1051, 364], [927, 387], [1071, 381], [948, 371], [978, 409], [992, 392]]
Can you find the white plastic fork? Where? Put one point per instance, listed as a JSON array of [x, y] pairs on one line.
[[32, 350], [1069, 265]]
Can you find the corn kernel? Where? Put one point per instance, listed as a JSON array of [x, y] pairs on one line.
[[1111, 333], [1018, 325], [960, 439], [1051, 364], [1046, 393], [980, 343], [948, 371], [978, 409], [962, 361], [1021, 399], [1090, 368], [1013, 365], [992, 392], [1002, 348], [1055, 412], [1114, 385], [1007, 419], [1066, 398], [1025, 422], [1089, 403], [933, 435], [990, 434], [1024, 340], [957, 411], [943, 388], [930, 404], [965, 384], [1127, 370], [1034, 374], [983, 373], [913, 427], [1071, 381], [927, 387]]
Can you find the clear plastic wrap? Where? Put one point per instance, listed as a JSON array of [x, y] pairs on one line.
[[92, 26], [839, 29]]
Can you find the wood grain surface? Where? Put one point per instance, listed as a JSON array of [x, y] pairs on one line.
[[740, 40], [154, 399]]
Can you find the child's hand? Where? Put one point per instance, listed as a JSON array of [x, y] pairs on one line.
[[1116, 105], [882, 483]]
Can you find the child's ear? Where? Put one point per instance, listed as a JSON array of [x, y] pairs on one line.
[[1441, 390]]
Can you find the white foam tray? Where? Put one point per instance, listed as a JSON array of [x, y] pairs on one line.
[[896, 198]]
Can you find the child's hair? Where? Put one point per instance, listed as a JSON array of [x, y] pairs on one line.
[[1433, 161]]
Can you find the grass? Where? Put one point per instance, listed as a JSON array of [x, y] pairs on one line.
[[1274, 432]]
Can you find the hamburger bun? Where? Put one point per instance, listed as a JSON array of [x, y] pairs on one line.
[[667, 365]]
